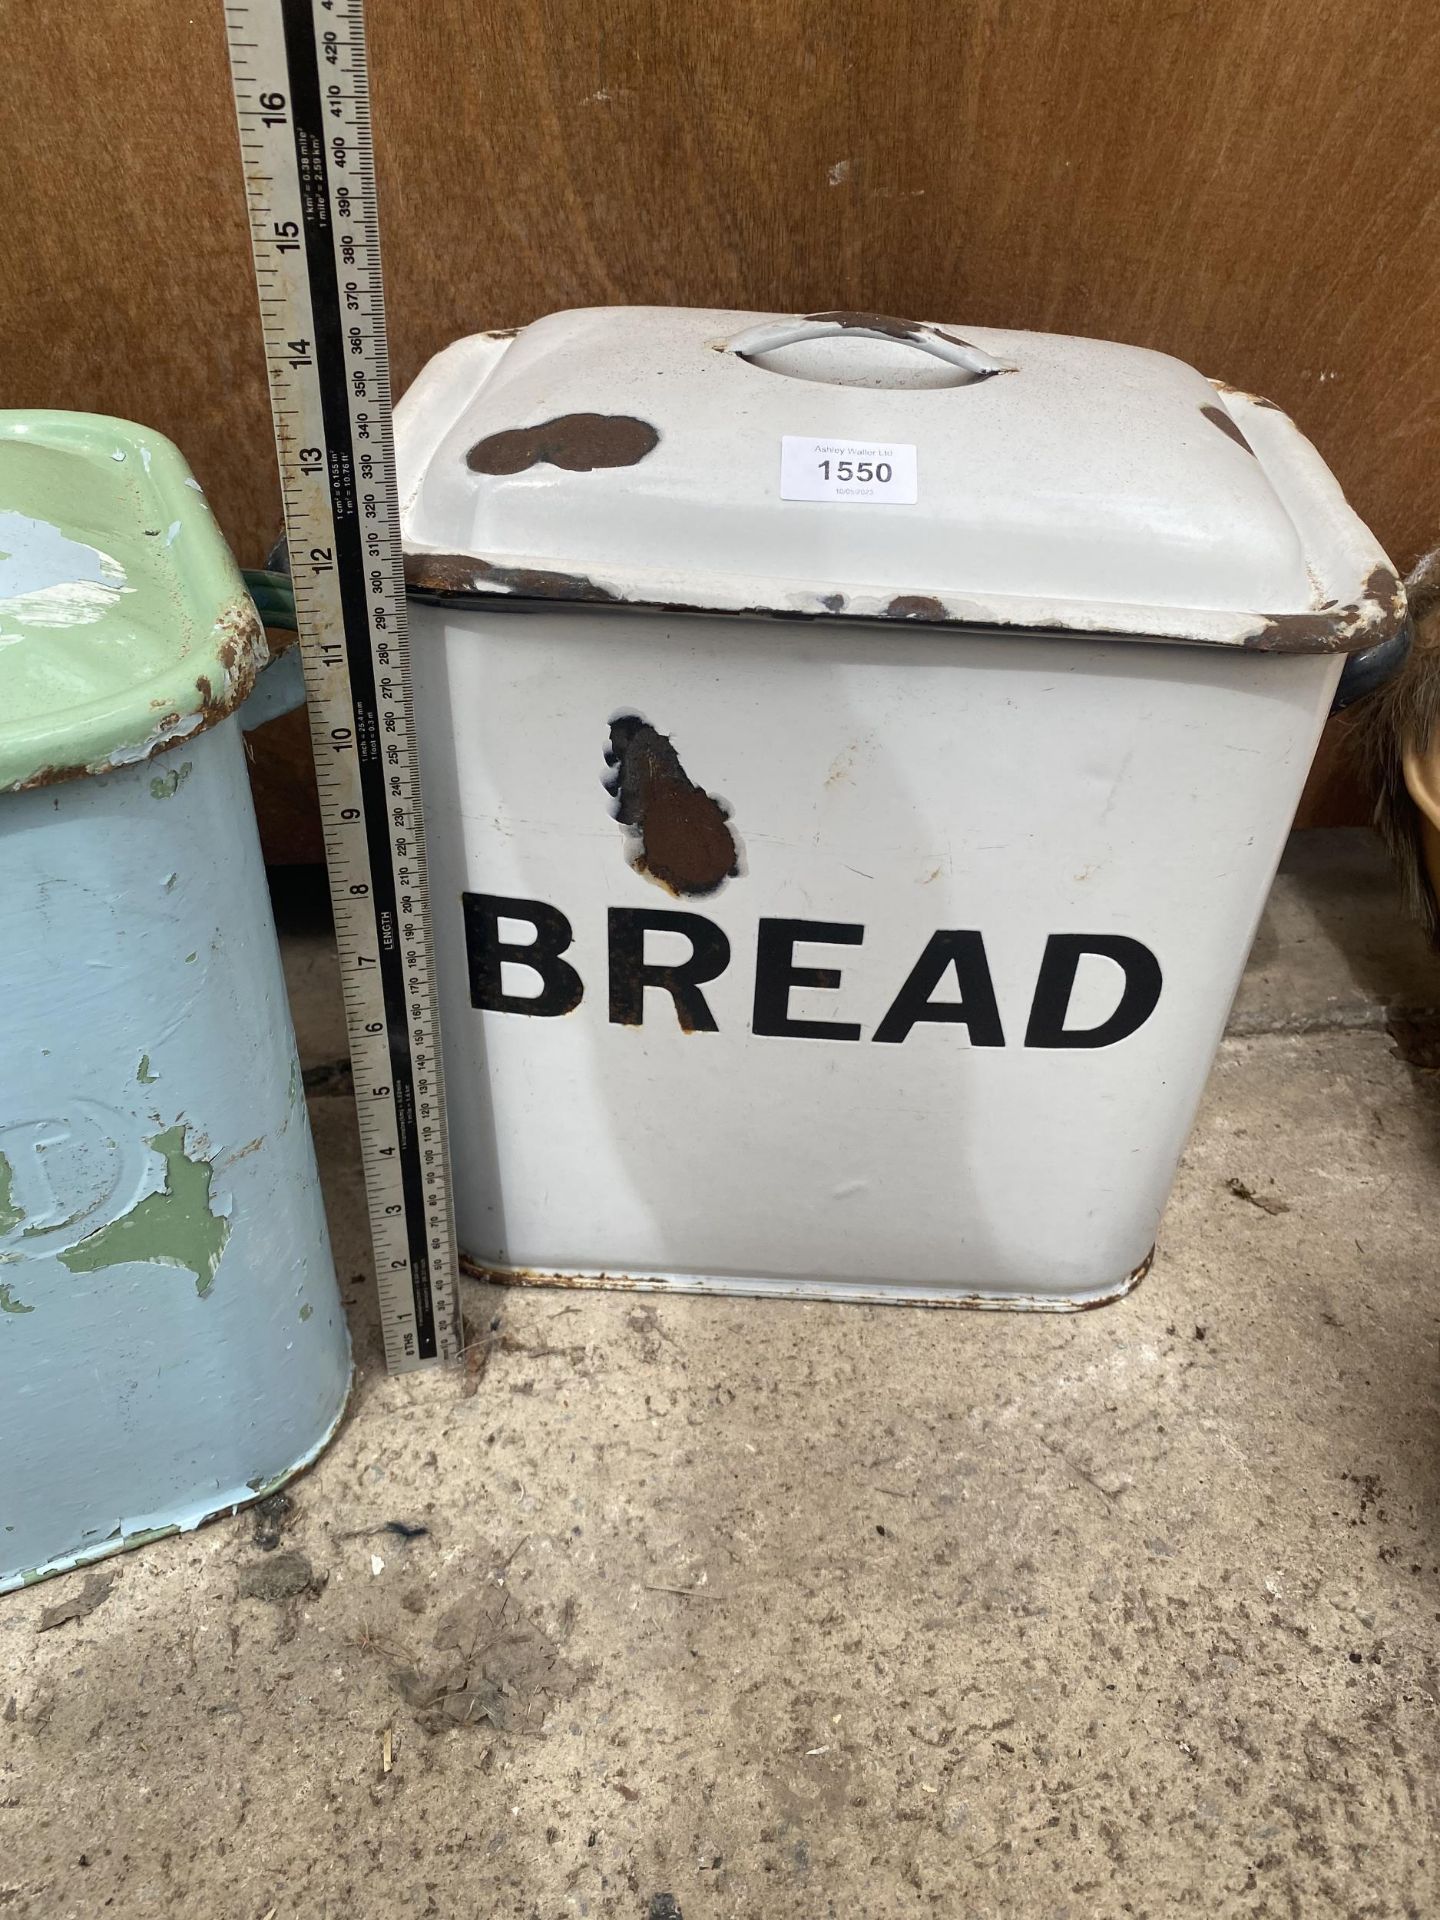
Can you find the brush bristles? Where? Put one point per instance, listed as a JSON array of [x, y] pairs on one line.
[[1401, 718]]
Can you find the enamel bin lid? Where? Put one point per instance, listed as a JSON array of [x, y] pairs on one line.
[[851, 465], [124, 623]]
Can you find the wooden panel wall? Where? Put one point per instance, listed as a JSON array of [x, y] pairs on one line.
[[1253, 185]]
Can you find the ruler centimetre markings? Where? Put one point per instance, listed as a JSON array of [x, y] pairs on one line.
[[303, 104]]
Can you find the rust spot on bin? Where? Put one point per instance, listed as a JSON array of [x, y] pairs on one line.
[[241, 650], [53, 777], [916, 606], [1218, 417], [1361, 623], [452, 573], [1383, 588], [578, 442], [1302, 632], [681, 834], [1255, 399]]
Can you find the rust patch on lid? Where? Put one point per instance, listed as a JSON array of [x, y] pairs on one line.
[[1361, 623], [1302, 632], [1218, 417], [53, 777], [916, 606], [463, 573], [578, 442], [680, 835], [1255, 399]]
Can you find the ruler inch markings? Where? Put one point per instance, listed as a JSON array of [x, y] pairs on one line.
[[301, 87]]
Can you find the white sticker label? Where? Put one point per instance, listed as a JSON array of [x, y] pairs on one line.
[[870, 472]]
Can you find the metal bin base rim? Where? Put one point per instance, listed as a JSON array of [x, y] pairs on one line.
[[863, 1293]]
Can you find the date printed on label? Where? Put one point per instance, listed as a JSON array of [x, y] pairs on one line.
[[871, 473]]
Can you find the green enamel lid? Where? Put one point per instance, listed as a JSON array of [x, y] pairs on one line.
[[124, 623]]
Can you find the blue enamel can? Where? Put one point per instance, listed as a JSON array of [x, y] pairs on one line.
[[172, 1342]]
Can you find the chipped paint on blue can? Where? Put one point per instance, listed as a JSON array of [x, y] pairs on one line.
[[171, 1333]]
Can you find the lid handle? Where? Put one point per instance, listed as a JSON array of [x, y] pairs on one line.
[[937, 341]]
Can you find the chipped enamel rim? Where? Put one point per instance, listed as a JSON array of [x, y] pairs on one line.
[[199, 1514], [219, 643], [860, 1293], [1374, 613], [1356, 602]]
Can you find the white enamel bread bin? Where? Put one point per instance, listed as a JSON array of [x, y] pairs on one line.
[[856, 755]]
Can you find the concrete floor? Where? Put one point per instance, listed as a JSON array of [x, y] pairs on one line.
[[784, 1610]]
